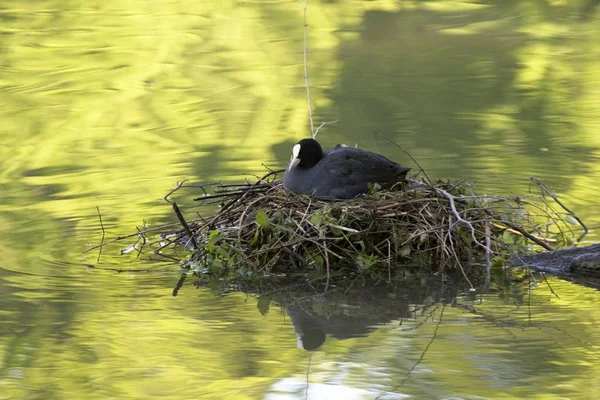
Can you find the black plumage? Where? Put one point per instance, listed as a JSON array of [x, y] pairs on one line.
[[341, 172]]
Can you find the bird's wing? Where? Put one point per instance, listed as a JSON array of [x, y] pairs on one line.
[[363, 165]]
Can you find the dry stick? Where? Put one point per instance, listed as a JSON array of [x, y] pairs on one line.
[[241, 219], [185, 225], [545, 214], [520, 230], [225, 194], [310, 112], [118, 270], [389, 261], [456, 257], [180, 185], [169, 242], [103, 234], [461, 219], [233, 201], [303, 217], [162, 227], [488, 243], [271, 173], [158, 228], [241, 188], [555, 216], [443, 193], [504, 228], [142, 238], [322, 125], [547, 191], [326, 265]]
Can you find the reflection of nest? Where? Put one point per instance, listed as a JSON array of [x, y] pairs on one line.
[[261, 227], [348, 311]]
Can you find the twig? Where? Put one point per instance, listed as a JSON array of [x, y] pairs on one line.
[[456, 257], [389, 261], [271, 173], [157, 228], [326, 265], [521, 231], [103, 234], [342, 228], [142, 238], [323, 124], [181, 184], [185, 225], [488, 259], [117, 270], [461, 219], [550, 193], [231, 193], [310, 112]]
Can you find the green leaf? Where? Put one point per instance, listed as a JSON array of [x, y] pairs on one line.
[[569, 240], [264, 302], [315, 258], [374, 188], [508, 238], [497, 263], [222, 253], [213, 238], [365, 261], [255, 239], [405, 250], [216, 266], [318, 260], [316, 219], [262, 219], [337, 232]]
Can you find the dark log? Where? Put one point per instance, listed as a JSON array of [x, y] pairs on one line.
[[580, 264]]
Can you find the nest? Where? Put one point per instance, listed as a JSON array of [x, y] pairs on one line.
[[261, 228]]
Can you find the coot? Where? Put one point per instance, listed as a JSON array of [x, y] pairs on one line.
[[341, 173]]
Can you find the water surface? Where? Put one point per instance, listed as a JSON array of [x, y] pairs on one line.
[[108, 104]]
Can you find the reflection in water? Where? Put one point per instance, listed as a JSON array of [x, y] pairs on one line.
[[108, 104], [308, 328], [423, 325], [352, 314]]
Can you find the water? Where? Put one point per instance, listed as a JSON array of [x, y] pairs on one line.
[[109, 104]]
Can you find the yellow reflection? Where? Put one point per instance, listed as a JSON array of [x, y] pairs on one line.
[[110, 103]]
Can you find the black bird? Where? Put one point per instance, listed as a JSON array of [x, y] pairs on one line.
[[339, 173]]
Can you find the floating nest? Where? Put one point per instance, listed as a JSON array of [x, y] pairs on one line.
[[261, 229]]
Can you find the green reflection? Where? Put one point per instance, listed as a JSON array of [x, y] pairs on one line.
[[109, 103]]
